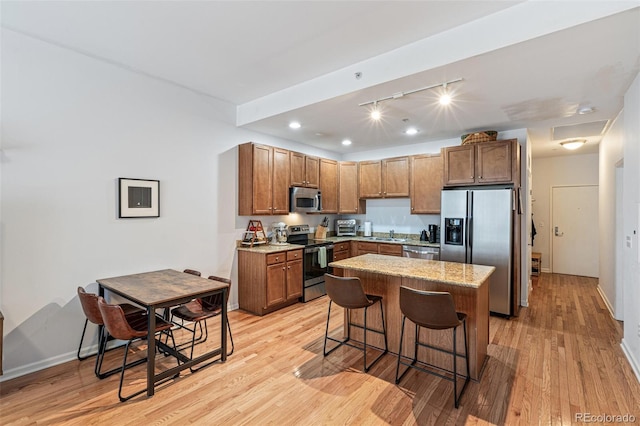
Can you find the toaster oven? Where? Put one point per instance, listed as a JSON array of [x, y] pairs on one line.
[[346, 227]]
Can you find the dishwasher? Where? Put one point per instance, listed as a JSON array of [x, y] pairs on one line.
[[421, 252]]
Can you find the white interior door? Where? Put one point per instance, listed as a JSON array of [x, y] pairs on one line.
[[574, 231]]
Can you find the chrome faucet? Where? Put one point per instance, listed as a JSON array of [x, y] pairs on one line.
[[391, 233]]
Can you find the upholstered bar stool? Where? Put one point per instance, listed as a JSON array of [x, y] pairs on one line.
[[436, 311], [348, 293]]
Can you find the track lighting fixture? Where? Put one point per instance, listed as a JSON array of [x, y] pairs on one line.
[[445, 98]]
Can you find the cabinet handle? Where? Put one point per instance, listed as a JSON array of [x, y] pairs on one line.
[[288, 267], [277, 258]]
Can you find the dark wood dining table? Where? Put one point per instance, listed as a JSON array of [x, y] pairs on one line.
[[164, 289]]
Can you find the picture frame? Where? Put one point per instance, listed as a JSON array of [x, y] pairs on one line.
[[138, 198]]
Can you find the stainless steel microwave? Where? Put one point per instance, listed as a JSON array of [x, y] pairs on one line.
[[304, 200]]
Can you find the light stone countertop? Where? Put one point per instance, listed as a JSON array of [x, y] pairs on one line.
[[461, 274], [270, 248]]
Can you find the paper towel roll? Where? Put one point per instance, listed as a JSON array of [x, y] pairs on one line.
[[367, 229]]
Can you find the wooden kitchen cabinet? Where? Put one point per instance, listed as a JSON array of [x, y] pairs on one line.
[[305, 170], [269, 281], [329, 185], [348, 200], [364, 247], [390, 249], [384, 178], [263, 180], [483, 163], [426, 183], [341, 251]]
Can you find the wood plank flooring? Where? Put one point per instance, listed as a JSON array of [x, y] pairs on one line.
[[561, 357]]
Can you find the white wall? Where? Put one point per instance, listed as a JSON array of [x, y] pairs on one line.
[[631, 218], [610, 154], [557, 171], [71, 126]]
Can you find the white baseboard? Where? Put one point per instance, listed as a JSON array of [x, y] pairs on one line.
[[606, 302], [635, 366], [58, 359], [547, 270], [37, 366]]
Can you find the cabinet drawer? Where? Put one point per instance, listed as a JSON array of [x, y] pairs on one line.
[[340, 247], [340, 255], [369, 247], [390, 249], [276, 257], [294, 254]]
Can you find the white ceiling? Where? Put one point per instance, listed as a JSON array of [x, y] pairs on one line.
[[524, 64]]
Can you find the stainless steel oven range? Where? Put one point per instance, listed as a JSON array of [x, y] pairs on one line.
[[317, 256]]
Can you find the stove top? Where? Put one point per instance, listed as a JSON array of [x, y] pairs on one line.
[[299, 234]]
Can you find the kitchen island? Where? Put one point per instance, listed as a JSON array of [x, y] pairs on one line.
[[468, 284]]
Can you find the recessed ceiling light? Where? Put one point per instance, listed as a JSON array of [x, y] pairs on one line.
[[294, 125], [585, 110], [411, 131], [346, 142]]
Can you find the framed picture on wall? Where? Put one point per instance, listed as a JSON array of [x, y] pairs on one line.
[[138, 198]]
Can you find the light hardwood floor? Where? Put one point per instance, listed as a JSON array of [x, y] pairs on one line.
[[561, 357]]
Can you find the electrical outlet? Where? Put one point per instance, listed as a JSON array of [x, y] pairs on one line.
[[638, 329]]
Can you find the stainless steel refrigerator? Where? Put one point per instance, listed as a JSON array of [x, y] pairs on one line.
[[477, 227]]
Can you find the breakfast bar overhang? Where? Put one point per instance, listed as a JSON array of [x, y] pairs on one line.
[[468, 284]]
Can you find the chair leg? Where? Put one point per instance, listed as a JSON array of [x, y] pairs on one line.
[[384, 331], [400, 352], [455, 369], [230, 337], [82, 358]]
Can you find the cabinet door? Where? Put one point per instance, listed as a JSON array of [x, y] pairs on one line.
[[312, 172], [348, 201], [294, 279], [276, 284], [426, 184], [262, 179], [395, 173], [329, 185], [370, 179], [459, 165], [340, 255], [493, 162], [280, 181], [364, 248], [297, 169]]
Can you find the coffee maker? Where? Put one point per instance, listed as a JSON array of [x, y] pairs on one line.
[[433, 233]]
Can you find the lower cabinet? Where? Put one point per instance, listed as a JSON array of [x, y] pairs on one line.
[[269, 281], [363, 247], [341, 251]]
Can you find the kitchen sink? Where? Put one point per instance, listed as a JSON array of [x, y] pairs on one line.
[[398, 240]]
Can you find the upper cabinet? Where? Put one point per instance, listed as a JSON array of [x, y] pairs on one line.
[[482, 163], [263, 180], [329, 185], [384, 178], [426, 183], [348, 200], [305, 170]]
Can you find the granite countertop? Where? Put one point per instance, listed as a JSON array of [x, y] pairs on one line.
[[461, 274], [270, 248]]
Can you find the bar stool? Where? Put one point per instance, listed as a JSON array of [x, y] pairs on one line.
[[434, 310], [348, 293]]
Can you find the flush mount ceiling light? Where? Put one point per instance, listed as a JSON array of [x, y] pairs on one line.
[[444, 99], [346, 142], [573, 143], [411, 131], [585, 110], [294, 125]]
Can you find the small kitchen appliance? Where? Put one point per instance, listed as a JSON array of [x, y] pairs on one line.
[[433, 233], [346, 227], [423, 235], [279, 233], [367, 229]]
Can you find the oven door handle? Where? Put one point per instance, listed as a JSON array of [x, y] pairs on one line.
[[315, 249]]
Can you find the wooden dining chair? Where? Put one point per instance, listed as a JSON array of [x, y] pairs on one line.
[[129, 329], [89, 303], [199, 311]]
